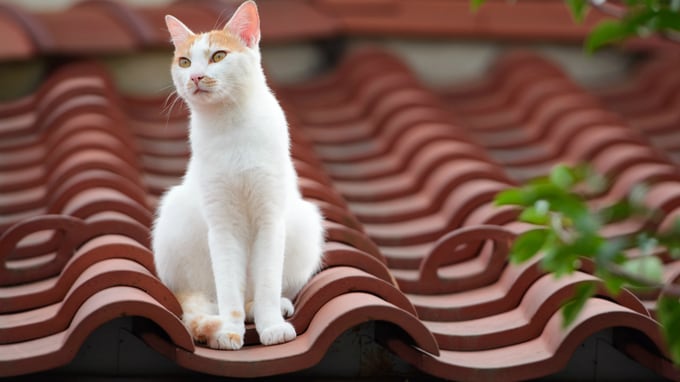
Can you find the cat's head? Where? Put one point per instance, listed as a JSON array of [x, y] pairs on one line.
[[215, 67]]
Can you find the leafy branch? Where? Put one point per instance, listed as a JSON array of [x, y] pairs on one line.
[[567, 230], [630, 19]]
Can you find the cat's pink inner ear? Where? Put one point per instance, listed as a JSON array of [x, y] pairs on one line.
[[178, 31], [245, 23]]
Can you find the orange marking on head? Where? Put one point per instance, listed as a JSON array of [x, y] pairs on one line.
[[223, 40], [182, 50]]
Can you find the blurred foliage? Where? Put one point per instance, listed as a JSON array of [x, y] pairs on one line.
[[640, 18], [567, 231]]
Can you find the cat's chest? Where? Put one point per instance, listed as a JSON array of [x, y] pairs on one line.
[[237, 152]]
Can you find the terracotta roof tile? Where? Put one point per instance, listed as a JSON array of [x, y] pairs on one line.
[[115, 27], [529, 20], [544, 354], [405, 177], [96, 238], [420, 194], [106, 304]]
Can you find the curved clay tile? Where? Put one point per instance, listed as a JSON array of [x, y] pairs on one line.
[[44, 321], [526, 321], [534, 104], [646, 354], [104, 34], [72, 233], [311, 189], [17, 42], [428, 219], [503, 69], [645, 80], [329, 284], [32, 29], [339, 86], [347, 235], [419, 148], [659, 97], [396, 130], [126, 16], [330, 321], [512, 86], [340, 254], [651, 103], [339, 215], [60, 348], [543, 355], [371, 102], [39, 293], [414, 179], [476, 303]]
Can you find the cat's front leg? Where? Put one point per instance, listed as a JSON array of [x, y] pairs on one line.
[[267, 268], [228, 256]]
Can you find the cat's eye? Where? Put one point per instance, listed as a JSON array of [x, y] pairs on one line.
[[184, 62], [218, 56]]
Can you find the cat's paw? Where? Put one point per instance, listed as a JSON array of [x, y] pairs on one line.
[[287, 307], [277, 333], [228, 337]]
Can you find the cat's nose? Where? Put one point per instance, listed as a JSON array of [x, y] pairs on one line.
[[197, 78]]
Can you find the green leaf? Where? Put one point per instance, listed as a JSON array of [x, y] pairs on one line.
[[611, 251], [649, 267], [562, 176], [578, 9], [671, 239], [536, 214], [646, 243], [587, 244], [475, 4], [613, 283], [608, 32], [560, 260], [667, 19], [511, 196], [618, 211], [527, 245], [573, 307], [596, 182], [637, 195], [668, 311]]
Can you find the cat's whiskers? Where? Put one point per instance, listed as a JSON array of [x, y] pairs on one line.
[[169, 106]]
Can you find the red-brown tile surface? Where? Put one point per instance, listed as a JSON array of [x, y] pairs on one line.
[[405, 178], [84, 232], [536, 20], [114, 27], [427, 202]]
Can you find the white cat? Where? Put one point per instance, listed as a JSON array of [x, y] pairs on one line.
[[235, 240]]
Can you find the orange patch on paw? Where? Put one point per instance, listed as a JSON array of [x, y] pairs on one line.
[[194, 330], [236, 314], [210, 326], [233, 337]]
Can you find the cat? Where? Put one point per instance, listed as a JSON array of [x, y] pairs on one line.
[[234, 241]]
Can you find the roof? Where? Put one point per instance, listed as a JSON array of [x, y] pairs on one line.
[[405, 176]]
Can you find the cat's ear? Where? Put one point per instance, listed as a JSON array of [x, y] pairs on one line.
[[245, 23], [178, 31]]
